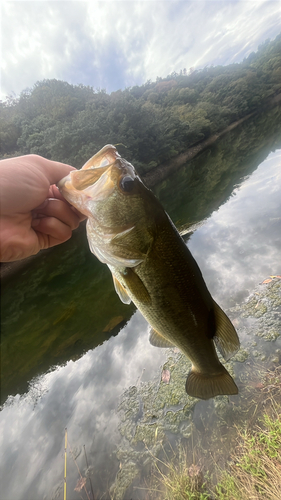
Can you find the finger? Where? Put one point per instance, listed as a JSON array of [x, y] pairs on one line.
[[60, 210], [54, 192], [53, 170], [51, 231], [25, 181]]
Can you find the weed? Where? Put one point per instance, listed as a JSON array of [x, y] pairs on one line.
[[254, 472], [175, 479]]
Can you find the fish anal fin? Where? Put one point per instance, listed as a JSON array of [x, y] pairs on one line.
[[134, 283], [120, 290], [157, 340], [205, 386], [225, 338]]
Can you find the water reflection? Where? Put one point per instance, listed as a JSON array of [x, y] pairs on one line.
[[64, 303], [239, 246], [236, 248], [83, 396], [59, 307]]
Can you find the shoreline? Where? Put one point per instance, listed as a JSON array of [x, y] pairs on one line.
[[168, 167], [154, 176]]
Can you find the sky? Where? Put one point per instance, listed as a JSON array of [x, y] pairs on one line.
[[112, 45]]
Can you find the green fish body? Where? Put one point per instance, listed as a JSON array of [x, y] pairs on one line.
[[129, 230]]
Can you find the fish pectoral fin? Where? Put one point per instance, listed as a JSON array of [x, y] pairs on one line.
[[136, 286], [120, 290], [226, 338], [106, 256], [123, 245], [157, 340], [205, 386]]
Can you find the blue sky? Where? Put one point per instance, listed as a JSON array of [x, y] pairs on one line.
[[118, 44]]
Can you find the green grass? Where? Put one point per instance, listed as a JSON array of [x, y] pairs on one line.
[[178, 481], [254, 470]]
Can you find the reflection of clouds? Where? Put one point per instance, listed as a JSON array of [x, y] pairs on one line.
[[237, 247], [81, 396], [240, 244]]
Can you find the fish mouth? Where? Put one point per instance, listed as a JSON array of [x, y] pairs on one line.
[[105, 157], [87, 185], [98, 177], [87, 179], [64, 182]]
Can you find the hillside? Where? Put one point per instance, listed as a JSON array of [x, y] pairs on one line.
[[155, 122]]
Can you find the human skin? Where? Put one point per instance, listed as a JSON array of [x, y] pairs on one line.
[[33, 213]]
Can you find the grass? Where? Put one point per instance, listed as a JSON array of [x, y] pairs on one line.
[[254, 471], [173, 479]]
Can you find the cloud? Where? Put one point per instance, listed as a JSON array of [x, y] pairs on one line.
[[239, 246], [82, 396], [116, 44]]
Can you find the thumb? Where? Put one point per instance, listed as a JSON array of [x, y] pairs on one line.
[[53, 170]]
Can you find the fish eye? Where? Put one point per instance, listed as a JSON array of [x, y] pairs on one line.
[[127, 183]]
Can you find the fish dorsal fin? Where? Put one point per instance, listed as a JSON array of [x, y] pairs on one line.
[[120, 290], [226, 338], [157, 340], [136, 286]]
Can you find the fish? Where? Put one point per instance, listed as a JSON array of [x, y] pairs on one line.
[[129, 230]]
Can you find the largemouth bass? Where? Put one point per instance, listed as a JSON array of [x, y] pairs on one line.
[[129, 230]]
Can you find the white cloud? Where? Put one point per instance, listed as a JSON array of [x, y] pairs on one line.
[[238, 247], [80, 396], [114, 44]]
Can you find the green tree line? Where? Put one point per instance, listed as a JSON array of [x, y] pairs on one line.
[[155, 121]]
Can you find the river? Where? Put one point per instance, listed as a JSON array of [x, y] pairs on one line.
[[75, 357]]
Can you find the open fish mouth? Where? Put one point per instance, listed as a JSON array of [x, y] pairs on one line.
[[86, 185], [97, 179], [94, 178], [105, 157]]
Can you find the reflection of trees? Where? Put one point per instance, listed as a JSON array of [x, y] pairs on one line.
[[83, 309], [70, 123], [155, 121], [57, 308], [204, 183]]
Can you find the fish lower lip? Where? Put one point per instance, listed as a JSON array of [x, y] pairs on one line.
[[62, 182]]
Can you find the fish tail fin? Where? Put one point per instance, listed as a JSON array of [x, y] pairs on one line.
[[205, 386]]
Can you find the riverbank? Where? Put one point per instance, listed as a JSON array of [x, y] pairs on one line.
[[154, 177], [167, 168], [188, 443], [253, 470]]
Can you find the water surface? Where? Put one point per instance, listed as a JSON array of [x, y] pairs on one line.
[[71, 349]]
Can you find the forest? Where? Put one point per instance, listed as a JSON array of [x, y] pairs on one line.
[[153, 122]]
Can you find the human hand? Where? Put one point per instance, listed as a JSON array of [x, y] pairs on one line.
[[34, 215]]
